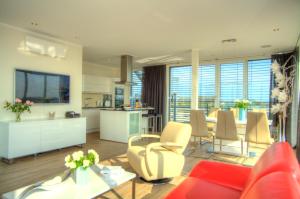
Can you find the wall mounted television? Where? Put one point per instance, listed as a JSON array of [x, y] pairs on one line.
[[40, 87]]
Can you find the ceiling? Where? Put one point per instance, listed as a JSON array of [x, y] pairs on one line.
[[165, 29]]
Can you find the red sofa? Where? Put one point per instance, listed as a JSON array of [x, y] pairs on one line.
[[276, 175]]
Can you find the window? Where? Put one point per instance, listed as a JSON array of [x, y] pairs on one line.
[[231, 84], [206, 87], [180, 93], [259, 83], [136, 86]]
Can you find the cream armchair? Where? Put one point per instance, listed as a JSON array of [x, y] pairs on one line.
[[163, 159]]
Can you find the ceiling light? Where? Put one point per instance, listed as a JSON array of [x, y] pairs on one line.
[[266, 46], [171, 59], [149, 59], [34, 23], [233, 40]]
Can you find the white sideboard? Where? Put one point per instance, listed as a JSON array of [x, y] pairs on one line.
[[19, 139]]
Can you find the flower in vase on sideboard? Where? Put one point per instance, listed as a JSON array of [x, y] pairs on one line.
[[18, 107]]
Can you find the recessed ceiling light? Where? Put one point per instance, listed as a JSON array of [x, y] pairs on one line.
[[149, 59], [33, 23], [275, 29], [266, 46], [233, 40]]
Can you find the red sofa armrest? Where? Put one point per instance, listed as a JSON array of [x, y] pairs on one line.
[[229, 175]]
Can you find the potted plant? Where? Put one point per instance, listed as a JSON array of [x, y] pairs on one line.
[[18, 107], [79, 163], [242, 105]]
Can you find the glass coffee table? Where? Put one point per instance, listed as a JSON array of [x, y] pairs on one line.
[[97, 184]]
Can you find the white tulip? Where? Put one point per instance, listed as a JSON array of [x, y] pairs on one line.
[[77, 155], [67, 164], [86, 163], [72, 165], [68, 158]]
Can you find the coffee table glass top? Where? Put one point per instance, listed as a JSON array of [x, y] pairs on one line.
[[97, 185]]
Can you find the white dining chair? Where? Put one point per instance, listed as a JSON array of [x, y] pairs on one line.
[[226, 130]]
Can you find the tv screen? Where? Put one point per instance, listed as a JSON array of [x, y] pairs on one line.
[[41, 87]]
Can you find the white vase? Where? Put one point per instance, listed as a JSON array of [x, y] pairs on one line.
[[81, 176]]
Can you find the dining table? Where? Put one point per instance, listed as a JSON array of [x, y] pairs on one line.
[[237, 122]]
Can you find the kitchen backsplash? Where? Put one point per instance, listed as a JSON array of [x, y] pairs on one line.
[[92, 99]]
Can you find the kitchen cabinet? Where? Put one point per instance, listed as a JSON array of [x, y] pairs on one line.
[[97, 84], [92, 119]]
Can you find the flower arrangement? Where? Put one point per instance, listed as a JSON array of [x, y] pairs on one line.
[[283, 91], [18, 107], [79, 160], [242, 104]]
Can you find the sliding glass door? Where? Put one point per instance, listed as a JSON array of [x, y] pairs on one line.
[[180, 84]]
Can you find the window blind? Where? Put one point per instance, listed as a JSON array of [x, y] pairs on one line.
[[259, 83], [136, 86], [231, 84], [206, 87], [180, 93]]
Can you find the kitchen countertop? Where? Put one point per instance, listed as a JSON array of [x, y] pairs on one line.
[[132, 109], [97, 107]]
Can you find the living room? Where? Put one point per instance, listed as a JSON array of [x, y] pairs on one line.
[[149, 99]]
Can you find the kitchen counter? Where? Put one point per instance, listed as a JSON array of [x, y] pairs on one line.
[[118, 126], [131, 109], [96, 107]]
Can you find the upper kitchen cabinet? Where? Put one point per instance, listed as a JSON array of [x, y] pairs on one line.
[[97, 84]]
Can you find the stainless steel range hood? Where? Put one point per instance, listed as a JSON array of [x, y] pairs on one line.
[[126, 70]]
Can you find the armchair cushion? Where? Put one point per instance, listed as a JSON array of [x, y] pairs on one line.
[[162, 162], [178, 133]]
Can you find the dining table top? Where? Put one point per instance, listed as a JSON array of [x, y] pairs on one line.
[[238, 122]]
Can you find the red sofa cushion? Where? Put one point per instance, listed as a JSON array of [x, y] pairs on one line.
[[277, 185], [229, 175], [192, 188], [278, 157]]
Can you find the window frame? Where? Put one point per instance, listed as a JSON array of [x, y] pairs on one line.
[[217, 64]]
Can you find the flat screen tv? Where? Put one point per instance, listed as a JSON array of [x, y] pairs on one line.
[[40, 87]]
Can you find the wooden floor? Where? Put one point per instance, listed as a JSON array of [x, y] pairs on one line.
[[31, 169]]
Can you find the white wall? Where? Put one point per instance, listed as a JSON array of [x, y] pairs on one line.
[[12, 56]]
